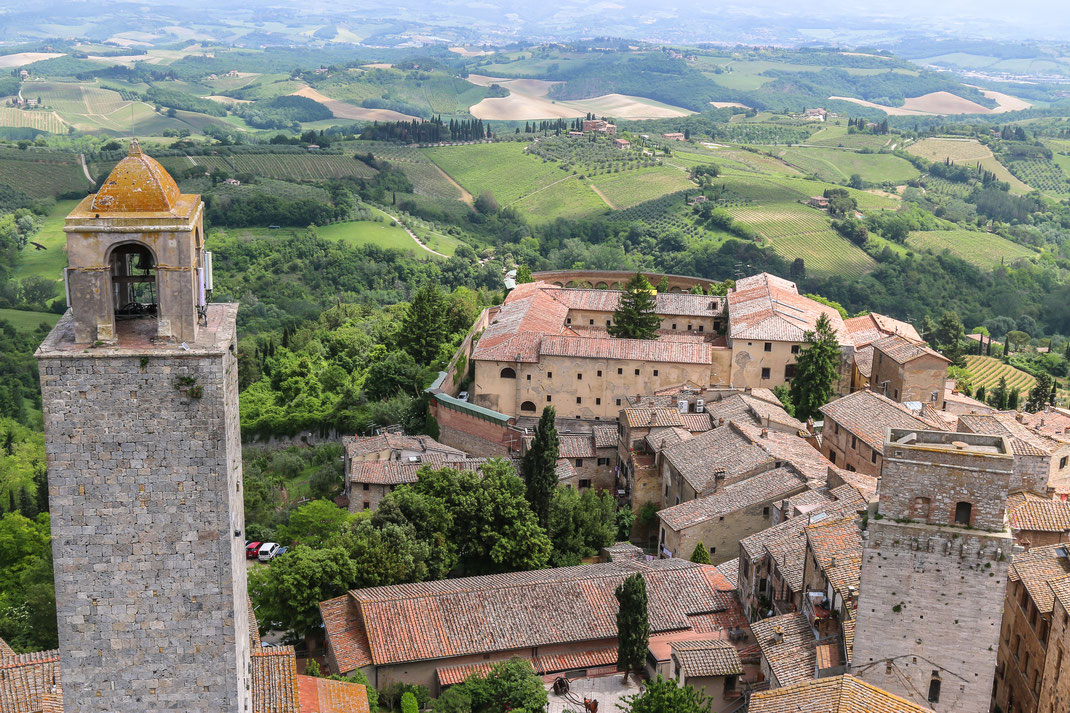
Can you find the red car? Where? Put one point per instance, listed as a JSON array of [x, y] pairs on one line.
[[252, 549]]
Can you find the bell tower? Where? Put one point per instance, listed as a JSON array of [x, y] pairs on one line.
[[140, 397], [136, 249]]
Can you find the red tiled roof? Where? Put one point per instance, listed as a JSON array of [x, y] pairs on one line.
[[871, 327], [708, 657], [357, 446], [696, 422], [348, 642], [1053, 423], [1037, 567], [769, 308], [320, 695], [31, 683], [516, 330], [666, 303], [902, 350], [1024, 442], [650, 417], [5, 650], [657, 350], [793, 657], [837, 547], [723, 452], [459, 617], [761, 488], [1040, 515], [836, 694], [789, 448], [275, 680], [866, 414], [605, 436], [396, 472]]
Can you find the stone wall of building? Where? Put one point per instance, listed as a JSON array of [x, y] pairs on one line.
[[144, 458], [930, 603], [847, 450], [1055, 694], [916, 380], [473, 435]]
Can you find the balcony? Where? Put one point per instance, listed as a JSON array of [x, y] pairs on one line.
[[824, 621]]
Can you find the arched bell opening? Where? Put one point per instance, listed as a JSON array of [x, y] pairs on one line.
[[134, 287]]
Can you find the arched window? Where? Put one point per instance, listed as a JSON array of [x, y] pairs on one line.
[[527, 407], [920, 509], [508, 373], [963, 511]]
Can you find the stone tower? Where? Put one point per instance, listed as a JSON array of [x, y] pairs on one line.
[[140, 396], [934, 570]]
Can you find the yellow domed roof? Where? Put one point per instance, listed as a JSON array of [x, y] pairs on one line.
[[138, 183]]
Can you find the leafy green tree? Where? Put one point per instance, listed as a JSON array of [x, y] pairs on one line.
[[509, 686], [1040, 393], [395, 373], [700, 554], [408, 703], [928, 330], [523, 275], [625, 520], [817, 370], [423, 329], [663, 284], [661, 696], [287, 594], [27, 594], [633, 625], [1012, 399], [486, 203], [539, 466], [1015, 338], [314, 524], [1000, 395], [580, 525], [635, 318], [948, 337], [783, 393]]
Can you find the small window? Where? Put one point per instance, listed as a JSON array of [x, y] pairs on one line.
[[579, 377], [367, 505], [896, 394], [507, 373], [609, 323], [674, 325], [618, 402], [934, 690], [655, 372], [689, 327], [598, 402], [549, 375], [794, 348], [765, 511], [765, 372], [850, 468], [873, 456], [584, 483], [832, 457], [549, 398], [599, 372], [592, 323], [579, 462], [620, 371], [1063, 462], [528, 407], [854, 441], [637, 372], [713, 550], [528, 377], [963, 511], [568, 321], [579, 399], [603, 461], [700, 328], [768, 346], [789, 371], [367, 486]]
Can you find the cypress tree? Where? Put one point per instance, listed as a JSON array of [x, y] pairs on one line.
[[817, 370], [423, 330], [635, 317], [633, 625], [540, 467], [700, 554]]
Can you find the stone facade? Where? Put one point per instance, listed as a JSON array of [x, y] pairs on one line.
[[931, 592], [144, 458], [922, 378]]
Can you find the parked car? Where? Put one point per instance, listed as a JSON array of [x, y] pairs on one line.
[[252, 549], [463, 396], [268, 551], [282, 550]]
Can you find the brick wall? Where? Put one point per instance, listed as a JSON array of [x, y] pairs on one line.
[[473, 435]]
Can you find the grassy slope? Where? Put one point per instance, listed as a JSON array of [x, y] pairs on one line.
[[27, 321], [50, 262], [837, 165], [629, 188], [503, 169], [985, 371], [982, 249]]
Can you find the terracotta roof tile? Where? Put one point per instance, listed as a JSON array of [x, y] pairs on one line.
[[1053, 423], [837, 547], [655, 350], [866, 414], [789, 448], [31, 683], [1035, 568], [836, 694], [395, 472], [788, 646], [651, 417], [605, 436], [871, 327], [661, 438], [696, 422], [1040, 515], [357, 446], [666, 303], [275, 680], [5, 650], [722, 454], [570, 660], [713, 657], [320, 695], [1060, 587], [1024, 442], [769, 308], [902, 350], [458, 617], [348, 643], [765, 487], [864, 361], [730, 570]]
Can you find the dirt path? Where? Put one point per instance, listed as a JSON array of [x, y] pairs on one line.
[[85, 170], [540, 190], [465, 195], [411, 234], [603, 197]]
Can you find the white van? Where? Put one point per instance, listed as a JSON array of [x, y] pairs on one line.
[[268, 550]]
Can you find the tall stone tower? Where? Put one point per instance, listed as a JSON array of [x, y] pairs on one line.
[[934, 570], [140, 389]]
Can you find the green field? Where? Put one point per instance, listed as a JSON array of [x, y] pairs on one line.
[[367, 232], [838, 135], [839, 165], [985, 371], [41, 174], [629, 188], [289, 167], [982, 249], [502, 168], [27, 321], [50, 262], [43, 120], [568, 198]]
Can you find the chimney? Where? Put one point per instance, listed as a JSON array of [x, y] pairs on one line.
[[778, 635], [765, 433], [1020, 417]]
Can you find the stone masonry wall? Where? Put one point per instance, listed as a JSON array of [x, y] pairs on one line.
[[145, 494], [931, 600]]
